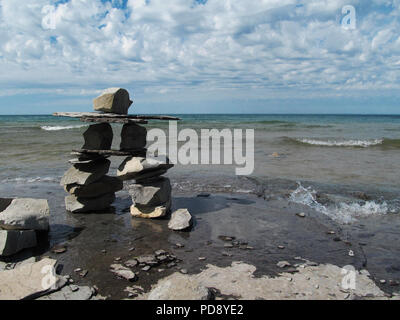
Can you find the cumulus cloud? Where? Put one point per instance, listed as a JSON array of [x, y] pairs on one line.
[[230, 46]]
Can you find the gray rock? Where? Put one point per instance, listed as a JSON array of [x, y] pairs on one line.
[[98, 137], [13, 241], [148, 260], [139, 168], [122, 272], [24, 213], [30, 280], [179, 287], [77, 205], [152, 193], [86, 173], [103, 186], [113, 100], [180, 220], [133, 136]]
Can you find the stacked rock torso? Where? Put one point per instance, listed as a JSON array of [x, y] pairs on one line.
[[90, 189]]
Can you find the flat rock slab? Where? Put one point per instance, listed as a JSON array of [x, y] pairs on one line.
[[179, 287], [122, 272], [70, 293], [24, 214], [86, 205], [13, 241], [140, 168], [94, 115], [180, 220], [29, 281], [103, 186], [85, 174]]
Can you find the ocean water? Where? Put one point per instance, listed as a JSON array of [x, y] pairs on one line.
[[338, 152]]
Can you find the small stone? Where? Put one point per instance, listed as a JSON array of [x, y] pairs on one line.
[[180, 220], [74, 288], [131, 263], [160, 252], [146, 268], [184, 271], [281, 247], [301, 214], [179, 245], [59, 249], [117, 259], [331, 232], [148, 260], [104, 251], [283, 264], [131, 249], [249, 248], [226, 238], [122, 272], [382, 281], [351, 253], [226, 254], [202, 258], [228, 245], [171, 264], [84, 273], [78, 270]]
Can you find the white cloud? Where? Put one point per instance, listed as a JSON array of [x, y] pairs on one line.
[[233, 45]]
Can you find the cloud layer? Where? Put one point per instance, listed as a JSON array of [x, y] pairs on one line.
[[266, 48]]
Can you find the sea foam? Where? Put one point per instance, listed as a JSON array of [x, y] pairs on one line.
[[57, 128], [342, 143], [342, 212]]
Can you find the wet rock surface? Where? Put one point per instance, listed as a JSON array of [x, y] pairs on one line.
[[254, 222]]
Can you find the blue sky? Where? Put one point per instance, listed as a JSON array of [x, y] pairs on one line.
[[186, 56]]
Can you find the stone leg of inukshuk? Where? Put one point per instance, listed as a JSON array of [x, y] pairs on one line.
[[87, 182], [151, 193]]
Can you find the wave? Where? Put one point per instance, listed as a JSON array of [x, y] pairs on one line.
[[342, 212], [356, 143], [31, 180], [57, 128]]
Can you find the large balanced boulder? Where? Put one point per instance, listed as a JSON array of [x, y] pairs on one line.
[[24, 214], [113, 100], [139, 168], [98, 137], [13, 241], [133, 137], [180, 220], [152, 193], [146, 212], [105, 185], [86, 173], [85, 205]]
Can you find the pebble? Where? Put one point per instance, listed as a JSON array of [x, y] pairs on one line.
[[351, 253], [202, 258], [383, 281], [331, 232], [228, 245], [131, 249], [226, 238], [160, 252], [146, 268], [301, 214], [84, 273], [131, 263], [117, 259], [226, 254], [281, 247], [104, 251], [283, 264], [184, 271], [74, 288], [78, 270], [171, 264], [179, 245]]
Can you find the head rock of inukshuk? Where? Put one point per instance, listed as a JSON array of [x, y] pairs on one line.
[[87, 182]]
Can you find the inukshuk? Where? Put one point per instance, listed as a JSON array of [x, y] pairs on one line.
[[90, 188]]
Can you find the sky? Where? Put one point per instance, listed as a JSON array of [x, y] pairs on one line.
[[201, 56]]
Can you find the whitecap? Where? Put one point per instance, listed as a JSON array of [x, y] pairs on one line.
[[342, 143], [57, 128]]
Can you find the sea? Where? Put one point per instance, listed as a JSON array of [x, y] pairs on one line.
[[347, 167]]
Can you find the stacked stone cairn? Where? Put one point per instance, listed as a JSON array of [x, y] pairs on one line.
[[90, 188], [20, 221]]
